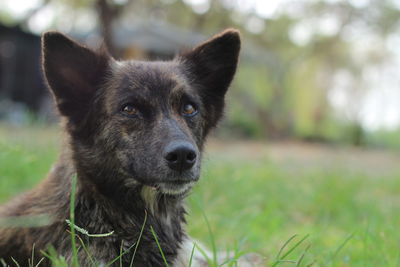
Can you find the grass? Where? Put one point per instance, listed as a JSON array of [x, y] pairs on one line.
[[72, 223], [296, 210], [159, 246]]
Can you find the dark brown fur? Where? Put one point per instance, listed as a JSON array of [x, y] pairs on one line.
[[119, 159]]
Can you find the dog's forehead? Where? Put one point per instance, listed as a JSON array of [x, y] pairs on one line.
[[149, 83], [151, 77]]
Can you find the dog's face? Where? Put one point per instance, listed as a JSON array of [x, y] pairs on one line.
[[140, 123]]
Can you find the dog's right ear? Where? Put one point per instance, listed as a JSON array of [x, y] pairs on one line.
[[73, 73]]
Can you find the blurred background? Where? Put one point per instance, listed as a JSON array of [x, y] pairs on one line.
[[325, 71], [310, 142]]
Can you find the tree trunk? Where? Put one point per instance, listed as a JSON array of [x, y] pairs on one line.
[[107, 16]]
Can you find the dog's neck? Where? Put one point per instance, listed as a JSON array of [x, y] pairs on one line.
[[128, 200], [123, 216], [104, 205]]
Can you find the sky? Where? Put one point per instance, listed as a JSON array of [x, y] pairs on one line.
[[378, 108]]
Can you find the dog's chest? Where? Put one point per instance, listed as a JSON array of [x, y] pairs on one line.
[[159, 238], [134, 239]]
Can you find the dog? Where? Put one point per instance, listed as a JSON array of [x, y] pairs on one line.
[[134, 136]]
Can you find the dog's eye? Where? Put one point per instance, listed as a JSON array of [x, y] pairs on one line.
[[189, 110], [129, 110]]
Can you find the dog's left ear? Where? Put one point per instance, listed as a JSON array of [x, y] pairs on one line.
[[73, 73], [212, 65]]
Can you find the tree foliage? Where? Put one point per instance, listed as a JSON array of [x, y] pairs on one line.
[[290, 67]]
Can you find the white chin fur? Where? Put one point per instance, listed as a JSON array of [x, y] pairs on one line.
[[171, 189], [150, 193]]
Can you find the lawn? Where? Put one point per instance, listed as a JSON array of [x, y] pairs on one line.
[[345, 202]]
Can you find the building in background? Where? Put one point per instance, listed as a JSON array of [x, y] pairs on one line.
[[22, 88], [20, 75]]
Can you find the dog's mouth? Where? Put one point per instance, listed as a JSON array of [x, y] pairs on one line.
[[173, 188], [176, 188], [169, 184]]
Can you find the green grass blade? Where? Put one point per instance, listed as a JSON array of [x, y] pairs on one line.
[[302, 256], [56, 260], [209, 261], [281, 258], [120, 253], [136, 245], [117, 258], [287, 261], [284, 246], [140, 237], [48, 254], [342, 246], [312, 263], [192, 254], [295, 246], [231, 260], [158, 245], [278, 257], [85, 232], [40, 261], [86, 251], [72, 219], [31, 261], [16, 263], [26, 221], [212, 240]]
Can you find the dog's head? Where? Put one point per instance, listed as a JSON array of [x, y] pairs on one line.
[[140, 123]]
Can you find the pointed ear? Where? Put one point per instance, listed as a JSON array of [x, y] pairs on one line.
[[73, 73], [213, 63], [211, 66]]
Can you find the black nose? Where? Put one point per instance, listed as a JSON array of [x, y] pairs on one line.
[[180, 156]]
